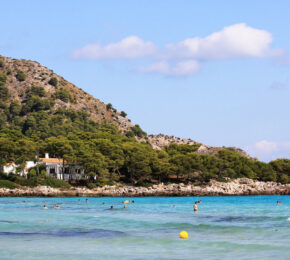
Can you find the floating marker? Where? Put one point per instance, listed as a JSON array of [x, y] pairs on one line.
[[183, 235]]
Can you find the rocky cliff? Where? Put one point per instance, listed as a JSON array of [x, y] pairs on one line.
[[160, 141]]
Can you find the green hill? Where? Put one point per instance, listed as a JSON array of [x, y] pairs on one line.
[[42, 112]]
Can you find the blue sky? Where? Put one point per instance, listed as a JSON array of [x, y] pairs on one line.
[[214, 71]]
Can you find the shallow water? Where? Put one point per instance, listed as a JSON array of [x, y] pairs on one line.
[[248, 227]]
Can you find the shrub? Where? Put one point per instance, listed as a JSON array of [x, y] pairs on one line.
[[63, 95], [4, 92], [37, 91], [7, 184], [31, 173], [20, 75], [53, 81], [14, 108], [3, 78], [43, 173], [92, 185], [1, 63], [138, 131], [35, 104], [130, 134], [109, 106], [102, 181], [123, 114], [31, 182], [54, 183]]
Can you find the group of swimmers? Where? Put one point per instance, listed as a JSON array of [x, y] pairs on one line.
[[195, 206], [55, 206]]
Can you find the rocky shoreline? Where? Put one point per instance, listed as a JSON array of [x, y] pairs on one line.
[[237, 187]]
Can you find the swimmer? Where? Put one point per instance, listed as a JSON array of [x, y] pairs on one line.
[[195, 208], [133, 201], [174, 206], [87, 200], [279, 202], [79, 201], [57, 206], [199, 201], [103, 203], [112, 207], [54, 206], [124, 206], [45, 207]]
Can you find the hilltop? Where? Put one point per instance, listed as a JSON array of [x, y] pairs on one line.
[[21, 75], [42, 112]]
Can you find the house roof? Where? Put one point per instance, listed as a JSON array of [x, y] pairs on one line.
[[172, 176], [10, 163], [52, 160]]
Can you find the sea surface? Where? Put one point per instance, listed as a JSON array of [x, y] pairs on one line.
[[247, 227]]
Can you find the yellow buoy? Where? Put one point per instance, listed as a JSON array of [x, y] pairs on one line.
[[126, 201], [183, 235]]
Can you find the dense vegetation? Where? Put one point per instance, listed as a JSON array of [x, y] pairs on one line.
[[32, 128], [12, 181]]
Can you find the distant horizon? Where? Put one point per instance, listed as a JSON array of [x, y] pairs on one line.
[[223, 81]]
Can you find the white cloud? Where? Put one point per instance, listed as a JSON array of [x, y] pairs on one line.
[[130, 47], [269, 150], [238, 40], [266, 146], [183, 68], [182, 58]]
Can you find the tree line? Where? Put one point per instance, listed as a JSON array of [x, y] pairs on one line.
[[30, 129]]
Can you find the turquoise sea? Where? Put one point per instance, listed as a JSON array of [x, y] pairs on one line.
[[248, 227]]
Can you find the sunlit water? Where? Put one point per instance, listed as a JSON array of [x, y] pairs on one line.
[[224, 228]]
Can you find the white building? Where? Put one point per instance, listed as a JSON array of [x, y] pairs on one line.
[[55, 167], [60, 169], [11, 168]]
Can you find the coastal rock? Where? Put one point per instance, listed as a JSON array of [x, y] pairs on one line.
[[241, 186]]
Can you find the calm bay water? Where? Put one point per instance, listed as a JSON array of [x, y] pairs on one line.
[[249, 227]]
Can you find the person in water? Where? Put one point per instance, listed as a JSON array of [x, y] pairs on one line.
[[195, 208], [279, 202], [87, 200], [57, 206], [112, 207], [45, 207]]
